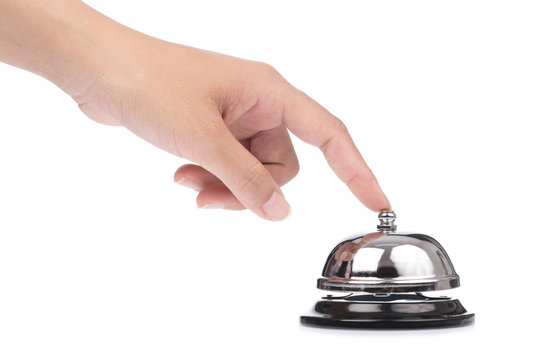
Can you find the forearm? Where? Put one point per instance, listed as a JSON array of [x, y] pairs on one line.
[[64, 41]]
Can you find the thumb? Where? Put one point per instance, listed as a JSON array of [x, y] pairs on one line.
[[246, 177]]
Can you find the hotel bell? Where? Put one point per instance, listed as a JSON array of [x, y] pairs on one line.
[[381, 276]]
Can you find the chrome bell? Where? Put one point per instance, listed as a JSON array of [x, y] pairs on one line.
[[389, 270]]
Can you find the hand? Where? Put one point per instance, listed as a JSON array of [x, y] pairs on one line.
[[229, 116]]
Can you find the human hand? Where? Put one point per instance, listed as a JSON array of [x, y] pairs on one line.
[[229, 116]]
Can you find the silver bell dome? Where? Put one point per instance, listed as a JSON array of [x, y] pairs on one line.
[[388, 262]]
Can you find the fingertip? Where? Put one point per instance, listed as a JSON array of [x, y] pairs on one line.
[[369, 193], [387, 206], [190, 183], [218, 196], [220, 206], [382, 205], [181, 173], [276, 208], [184, 168], [194, 177], [379, 201]]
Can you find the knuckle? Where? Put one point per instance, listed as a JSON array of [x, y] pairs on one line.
[[269, 76], [338, 131], [340, 127], [294, 169], [268, 69]]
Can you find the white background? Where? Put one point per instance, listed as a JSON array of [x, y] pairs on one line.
[[103, 257]]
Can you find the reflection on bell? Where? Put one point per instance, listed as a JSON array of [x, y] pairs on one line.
[[388, 270]]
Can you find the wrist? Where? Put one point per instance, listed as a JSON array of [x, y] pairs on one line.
[[65, 41], [83, 49]]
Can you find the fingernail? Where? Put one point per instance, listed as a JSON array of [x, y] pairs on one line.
[[190, 183], [276, 208], [212, 206]]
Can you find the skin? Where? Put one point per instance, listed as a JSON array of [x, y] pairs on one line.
[[229, 116]]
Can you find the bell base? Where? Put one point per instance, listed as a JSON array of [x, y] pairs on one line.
[[391, 311], [327, 322]]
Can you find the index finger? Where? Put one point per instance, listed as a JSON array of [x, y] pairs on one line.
[[315, 125]]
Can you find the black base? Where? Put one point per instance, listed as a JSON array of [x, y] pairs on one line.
[[390, 311]]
